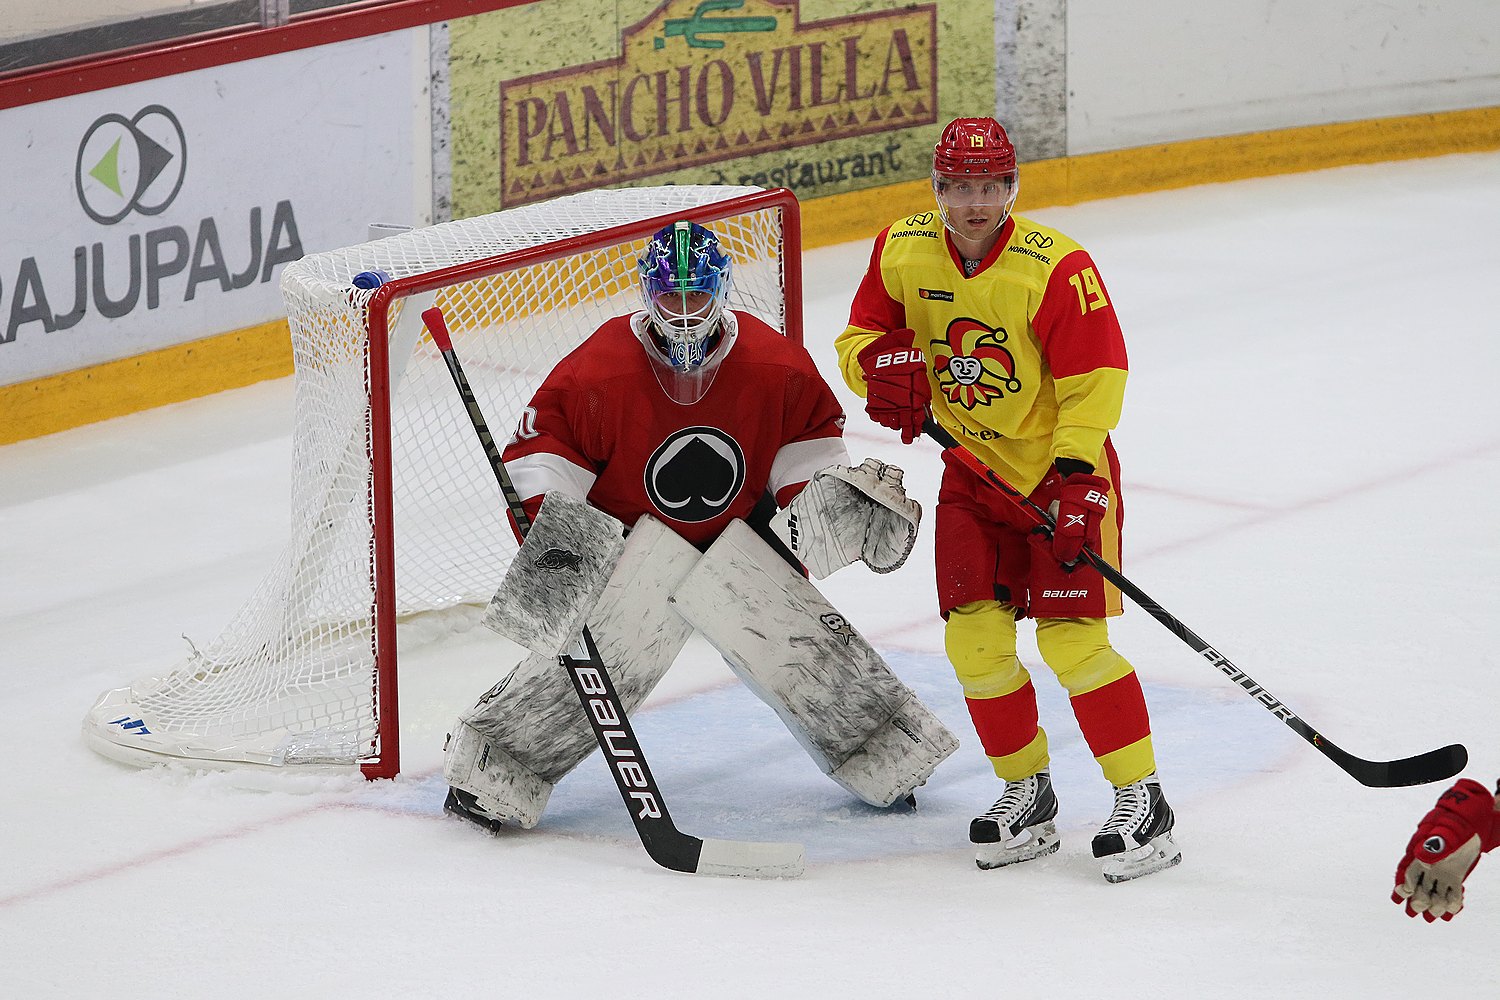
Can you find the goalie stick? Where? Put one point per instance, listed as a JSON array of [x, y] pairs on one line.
[[664, 843], [1424, 768]]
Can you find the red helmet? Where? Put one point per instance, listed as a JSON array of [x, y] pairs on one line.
[[973, 146]]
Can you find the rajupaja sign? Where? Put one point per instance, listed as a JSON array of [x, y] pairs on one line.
[[158, 213], [137, 166]]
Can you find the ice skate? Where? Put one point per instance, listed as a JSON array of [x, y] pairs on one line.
[[466, 806], [1019, 826], [1137, 840]]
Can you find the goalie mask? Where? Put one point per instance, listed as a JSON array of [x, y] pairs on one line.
[[974, 177], [685, 328]]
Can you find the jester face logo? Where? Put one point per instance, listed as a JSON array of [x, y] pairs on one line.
[[972, 366]]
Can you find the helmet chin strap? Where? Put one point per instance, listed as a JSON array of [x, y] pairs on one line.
[[964, 238]]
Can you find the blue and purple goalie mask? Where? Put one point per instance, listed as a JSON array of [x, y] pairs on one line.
[[685, 285]]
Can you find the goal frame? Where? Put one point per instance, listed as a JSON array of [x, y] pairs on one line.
[[385, 759]]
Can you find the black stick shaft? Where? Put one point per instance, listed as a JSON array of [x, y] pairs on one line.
[[666, 845], [1435, 765]]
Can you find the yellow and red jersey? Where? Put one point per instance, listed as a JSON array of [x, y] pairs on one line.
[[1025, 356]]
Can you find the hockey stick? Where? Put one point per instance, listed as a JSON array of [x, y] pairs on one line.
[[1435, 765], [664, 843]]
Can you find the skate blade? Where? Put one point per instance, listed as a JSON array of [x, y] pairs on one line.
[[455, 806], [1162, 852], [1032, 842]]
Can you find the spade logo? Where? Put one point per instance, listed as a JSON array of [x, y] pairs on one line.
[[695, 474]]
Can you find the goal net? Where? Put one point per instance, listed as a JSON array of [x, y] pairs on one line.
[[396, 515]]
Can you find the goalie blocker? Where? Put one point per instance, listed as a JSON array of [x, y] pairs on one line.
[[852, 715]]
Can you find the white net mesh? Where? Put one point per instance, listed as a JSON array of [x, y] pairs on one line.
[[293, 677]]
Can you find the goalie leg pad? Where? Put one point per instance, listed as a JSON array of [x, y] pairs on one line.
[[529, 727], [505, 789], [557, 576], [898, 756], [853, 716]]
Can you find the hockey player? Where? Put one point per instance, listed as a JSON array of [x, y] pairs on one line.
[[1464, 824], [1001, 330], [688, 424]]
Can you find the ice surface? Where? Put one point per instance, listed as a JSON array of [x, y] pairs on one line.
[[1311, 455]]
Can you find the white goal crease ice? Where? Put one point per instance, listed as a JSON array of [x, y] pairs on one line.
[[395, 511]]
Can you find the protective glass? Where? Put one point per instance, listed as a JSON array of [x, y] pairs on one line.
[[991, 194], [682, 384]]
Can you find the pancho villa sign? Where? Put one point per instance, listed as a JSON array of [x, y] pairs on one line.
[[702, 82]]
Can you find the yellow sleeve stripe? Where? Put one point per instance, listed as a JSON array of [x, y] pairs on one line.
[[849, 344], [1088, 408]]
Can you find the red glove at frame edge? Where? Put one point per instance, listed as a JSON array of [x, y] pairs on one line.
[[1444, 849]]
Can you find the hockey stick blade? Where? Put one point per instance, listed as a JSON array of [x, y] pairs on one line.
[[664, 843], [1425, 768], [745, 858]]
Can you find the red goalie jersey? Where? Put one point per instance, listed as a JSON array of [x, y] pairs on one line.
[[601, 428]]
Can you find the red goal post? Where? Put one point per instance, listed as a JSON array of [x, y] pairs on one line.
[[397, 526]]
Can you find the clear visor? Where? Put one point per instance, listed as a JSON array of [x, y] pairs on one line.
[[685, 383], [974, 205]]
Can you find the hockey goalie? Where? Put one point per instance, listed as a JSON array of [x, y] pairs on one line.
[[682, 468]]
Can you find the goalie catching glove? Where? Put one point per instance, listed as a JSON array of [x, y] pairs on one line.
[[845, 514]]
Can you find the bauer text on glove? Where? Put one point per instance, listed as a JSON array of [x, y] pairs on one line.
[[897, 390], [1079, 510]]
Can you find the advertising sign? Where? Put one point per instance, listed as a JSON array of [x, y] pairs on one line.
[[158, 213], [817, 97]]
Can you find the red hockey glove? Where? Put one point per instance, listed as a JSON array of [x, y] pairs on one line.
[[896, 376], [1445, 848], [1082, 501]]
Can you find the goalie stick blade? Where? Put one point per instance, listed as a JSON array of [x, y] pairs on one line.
[[1423, 769], [682, 852], [747, 859]]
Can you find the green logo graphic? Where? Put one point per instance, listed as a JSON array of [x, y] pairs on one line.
[[131, 164]]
